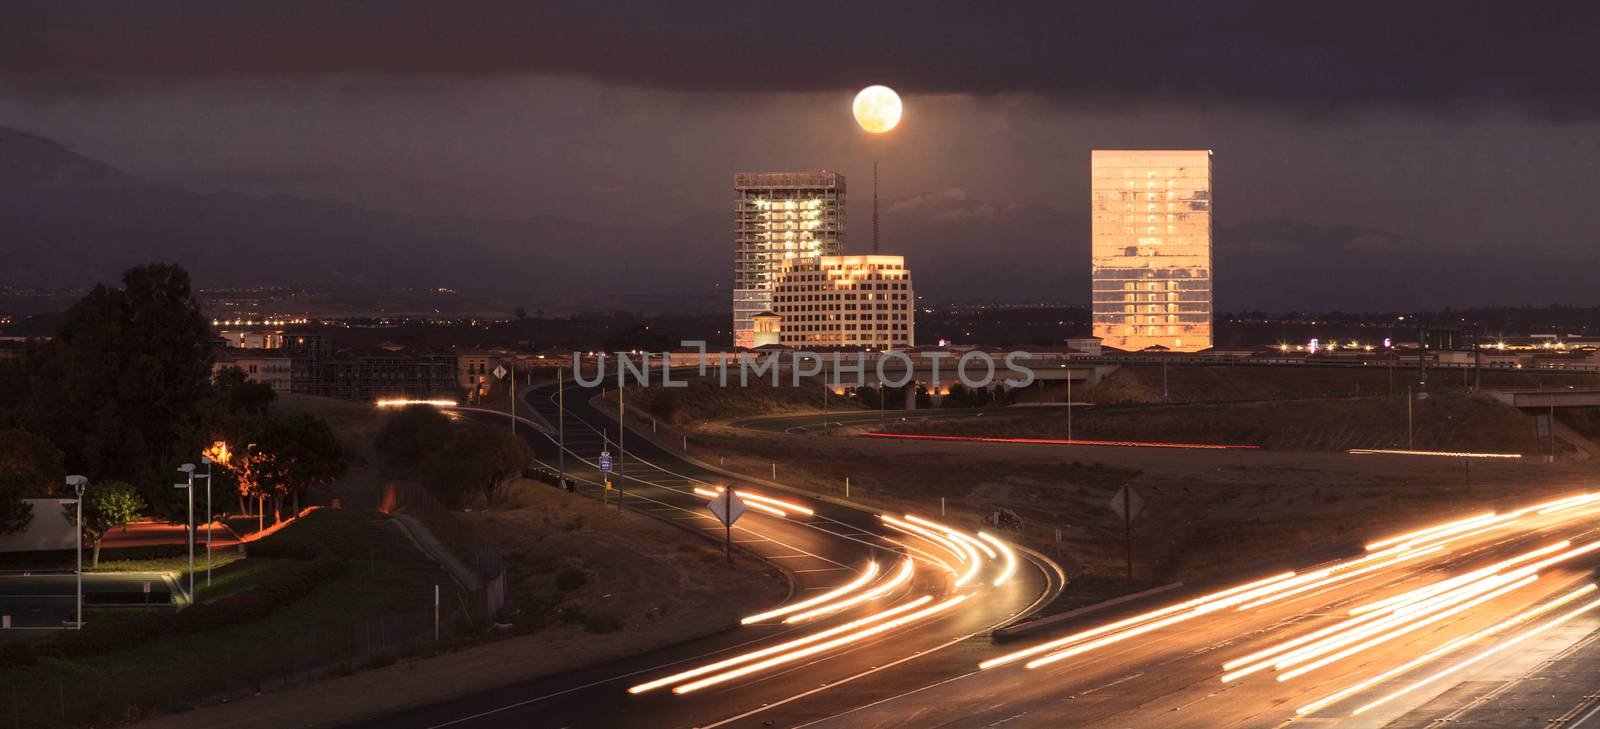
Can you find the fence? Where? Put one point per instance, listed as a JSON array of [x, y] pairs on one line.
[[39, 701], [461, 539]]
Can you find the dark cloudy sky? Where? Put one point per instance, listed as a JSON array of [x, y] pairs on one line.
[[1467, 122]]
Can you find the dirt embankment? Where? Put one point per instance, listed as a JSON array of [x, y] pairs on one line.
[[576, 566], [1442, 422], [1223, 383]]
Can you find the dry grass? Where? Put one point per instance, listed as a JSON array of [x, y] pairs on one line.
[[576, 565]]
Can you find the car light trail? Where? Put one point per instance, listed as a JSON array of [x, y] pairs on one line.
[[796, 655], [1135, 620], [1507, 645], [900, 578], [775, 507], [925, 533], [713, 495], [779, 648], [856, 584], [1443, 650], [1011, 558], [1340, 574], [1428, 530], [1404, 612], [953, 533], [1449, 454], [399, 403], [1059, 441], [1405, 628], [967, 544], [1444, 585]]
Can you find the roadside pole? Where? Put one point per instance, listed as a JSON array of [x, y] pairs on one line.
[[207, 461], [561, 423], [1127, 526], [622, 453], [1069, 402], [1410, 443], [727, 525]]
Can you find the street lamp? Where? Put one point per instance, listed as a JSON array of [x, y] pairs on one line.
[[188, 468], [77, 483], [207, 476]]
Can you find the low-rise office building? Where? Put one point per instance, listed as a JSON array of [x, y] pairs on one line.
[[846, 301]]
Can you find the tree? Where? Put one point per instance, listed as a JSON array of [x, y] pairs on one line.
[[478, 458], [122, 386], [520, 313], [33, 461], [15, 514], [106, 506], [298, 453]]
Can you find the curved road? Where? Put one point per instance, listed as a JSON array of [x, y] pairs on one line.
[[927, 619]]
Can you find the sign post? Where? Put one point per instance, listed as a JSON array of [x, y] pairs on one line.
[[727, 507], [1128, 504], [500, 374], [605, 475]]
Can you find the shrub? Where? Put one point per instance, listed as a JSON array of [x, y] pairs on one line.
[[601, 623]]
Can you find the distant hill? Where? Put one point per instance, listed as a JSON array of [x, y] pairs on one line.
[[68, 221]]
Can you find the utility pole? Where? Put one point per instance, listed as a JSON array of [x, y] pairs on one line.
[[78, 483], [727, 524], [1127, 525], [1410, 444], [561, 423], [1069, 402], [207, 460], [622, 454], [1552, 429], [874, 207]]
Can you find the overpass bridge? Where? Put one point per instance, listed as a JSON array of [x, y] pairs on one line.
[[1544, 398]]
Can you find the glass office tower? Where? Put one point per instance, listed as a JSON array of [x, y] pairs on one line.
[[778, 218], [1151, 248]]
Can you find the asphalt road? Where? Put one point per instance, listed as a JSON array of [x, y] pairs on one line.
[[1171, 676], [825, 552], [1457, 642]]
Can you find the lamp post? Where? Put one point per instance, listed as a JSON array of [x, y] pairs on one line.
[[261, 520], [77, 483], [188, 469], [207, 460]]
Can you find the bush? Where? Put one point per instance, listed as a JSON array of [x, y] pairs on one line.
[[601, 623], [571, 579]]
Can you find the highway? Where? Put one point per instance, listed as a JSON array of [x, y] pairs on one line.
[[1484, 620], [1318, 646], [882, 603]]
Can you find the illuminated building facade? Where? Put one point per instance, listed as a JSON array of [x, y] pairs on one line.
[[780, 219], [846, 301], [1151, 248]]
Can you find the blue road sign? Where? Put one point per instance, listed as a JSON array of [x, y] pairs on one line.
[[605, 462]]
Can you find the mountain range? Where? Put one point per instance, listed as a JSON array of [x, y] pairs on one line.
[[69, 221]]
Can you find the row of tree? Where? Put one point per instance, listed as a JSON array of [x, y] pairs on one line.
[[124, 393]]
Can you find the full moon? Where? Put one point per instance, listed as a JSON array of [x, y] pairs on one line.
[[877, 109]]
